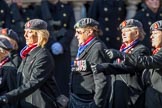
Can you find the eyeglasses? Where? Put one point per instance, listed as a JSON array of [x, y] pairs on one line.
[[80, 32]]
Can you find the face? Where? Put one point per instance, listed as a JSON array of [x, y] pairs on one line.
[[30, 37], [156, 39], [153, 4], [129, 35], [82, 35], [3, 53]]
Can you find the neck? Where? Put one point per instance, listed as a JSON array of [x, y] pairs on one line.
[[127, 43], [154, 10]]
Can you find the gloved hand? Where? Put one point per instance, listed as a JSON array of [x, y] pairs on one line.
[[62, 101], [57, 48], [97, 68], [81, 65], [114, 54], [3, 100]]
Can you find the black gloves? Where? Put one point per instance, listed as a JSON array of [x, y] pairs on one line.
[[114, 54], [97, 68], [3, 100], [81, 65], [62, 101]]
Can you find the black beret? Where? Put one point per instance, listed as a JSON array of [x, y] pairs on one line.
[[10, 33], [36, 24], [5, 44], [84, 22], [131, 23], [156, 25]]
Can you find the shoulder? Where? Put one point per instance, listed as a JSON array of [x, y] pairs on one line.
[[141, 49], [41, 53], [98, 44]]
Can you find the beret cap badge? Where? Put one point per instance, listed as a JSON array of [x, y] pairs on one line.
[[4, 31], [131, 23], [28, 24], [10, 33], [124, 23], [155, 25]]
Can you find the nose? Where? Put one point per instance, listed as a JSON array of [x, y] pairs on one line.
[[25, 34], [151, 36], [76, 34]]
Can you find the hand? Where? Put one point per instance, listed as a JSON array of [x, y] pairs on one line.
[[114, 54], [62, 100], [57, 48], [3, 100], [81, 65], [97, 68]]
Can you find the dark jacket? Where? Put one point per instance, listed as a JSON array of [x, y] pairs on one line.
[[151, 76], [15, 59], [8, 73], [147, 18], [60, 22], [109, 13], [36, 87], [127, 80], [153, 63], [4, 19], [93, 86], [138, 50]]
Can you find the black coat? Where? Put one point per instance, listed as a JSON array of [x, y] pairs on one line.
[[151, 76], [128, 85], [86, 83], [8, 73], [36, 87], [59, 16], [153, 63], [4, 19], [109, 13], [147, 18]]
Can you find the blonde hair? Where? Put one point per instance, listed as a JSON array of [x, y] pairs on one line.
[[43, 36]]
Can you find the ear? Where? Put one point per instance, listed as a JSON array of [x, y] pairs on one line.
[[90, 32], [137, 33]]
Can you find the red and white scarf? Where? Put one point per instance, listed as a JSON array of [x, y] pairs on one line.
[[26, 50]]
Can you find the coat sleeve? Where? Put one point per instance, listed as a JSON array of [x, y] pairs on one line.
[[40, 73], [114, 68], [154, 61], [100, 79]]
